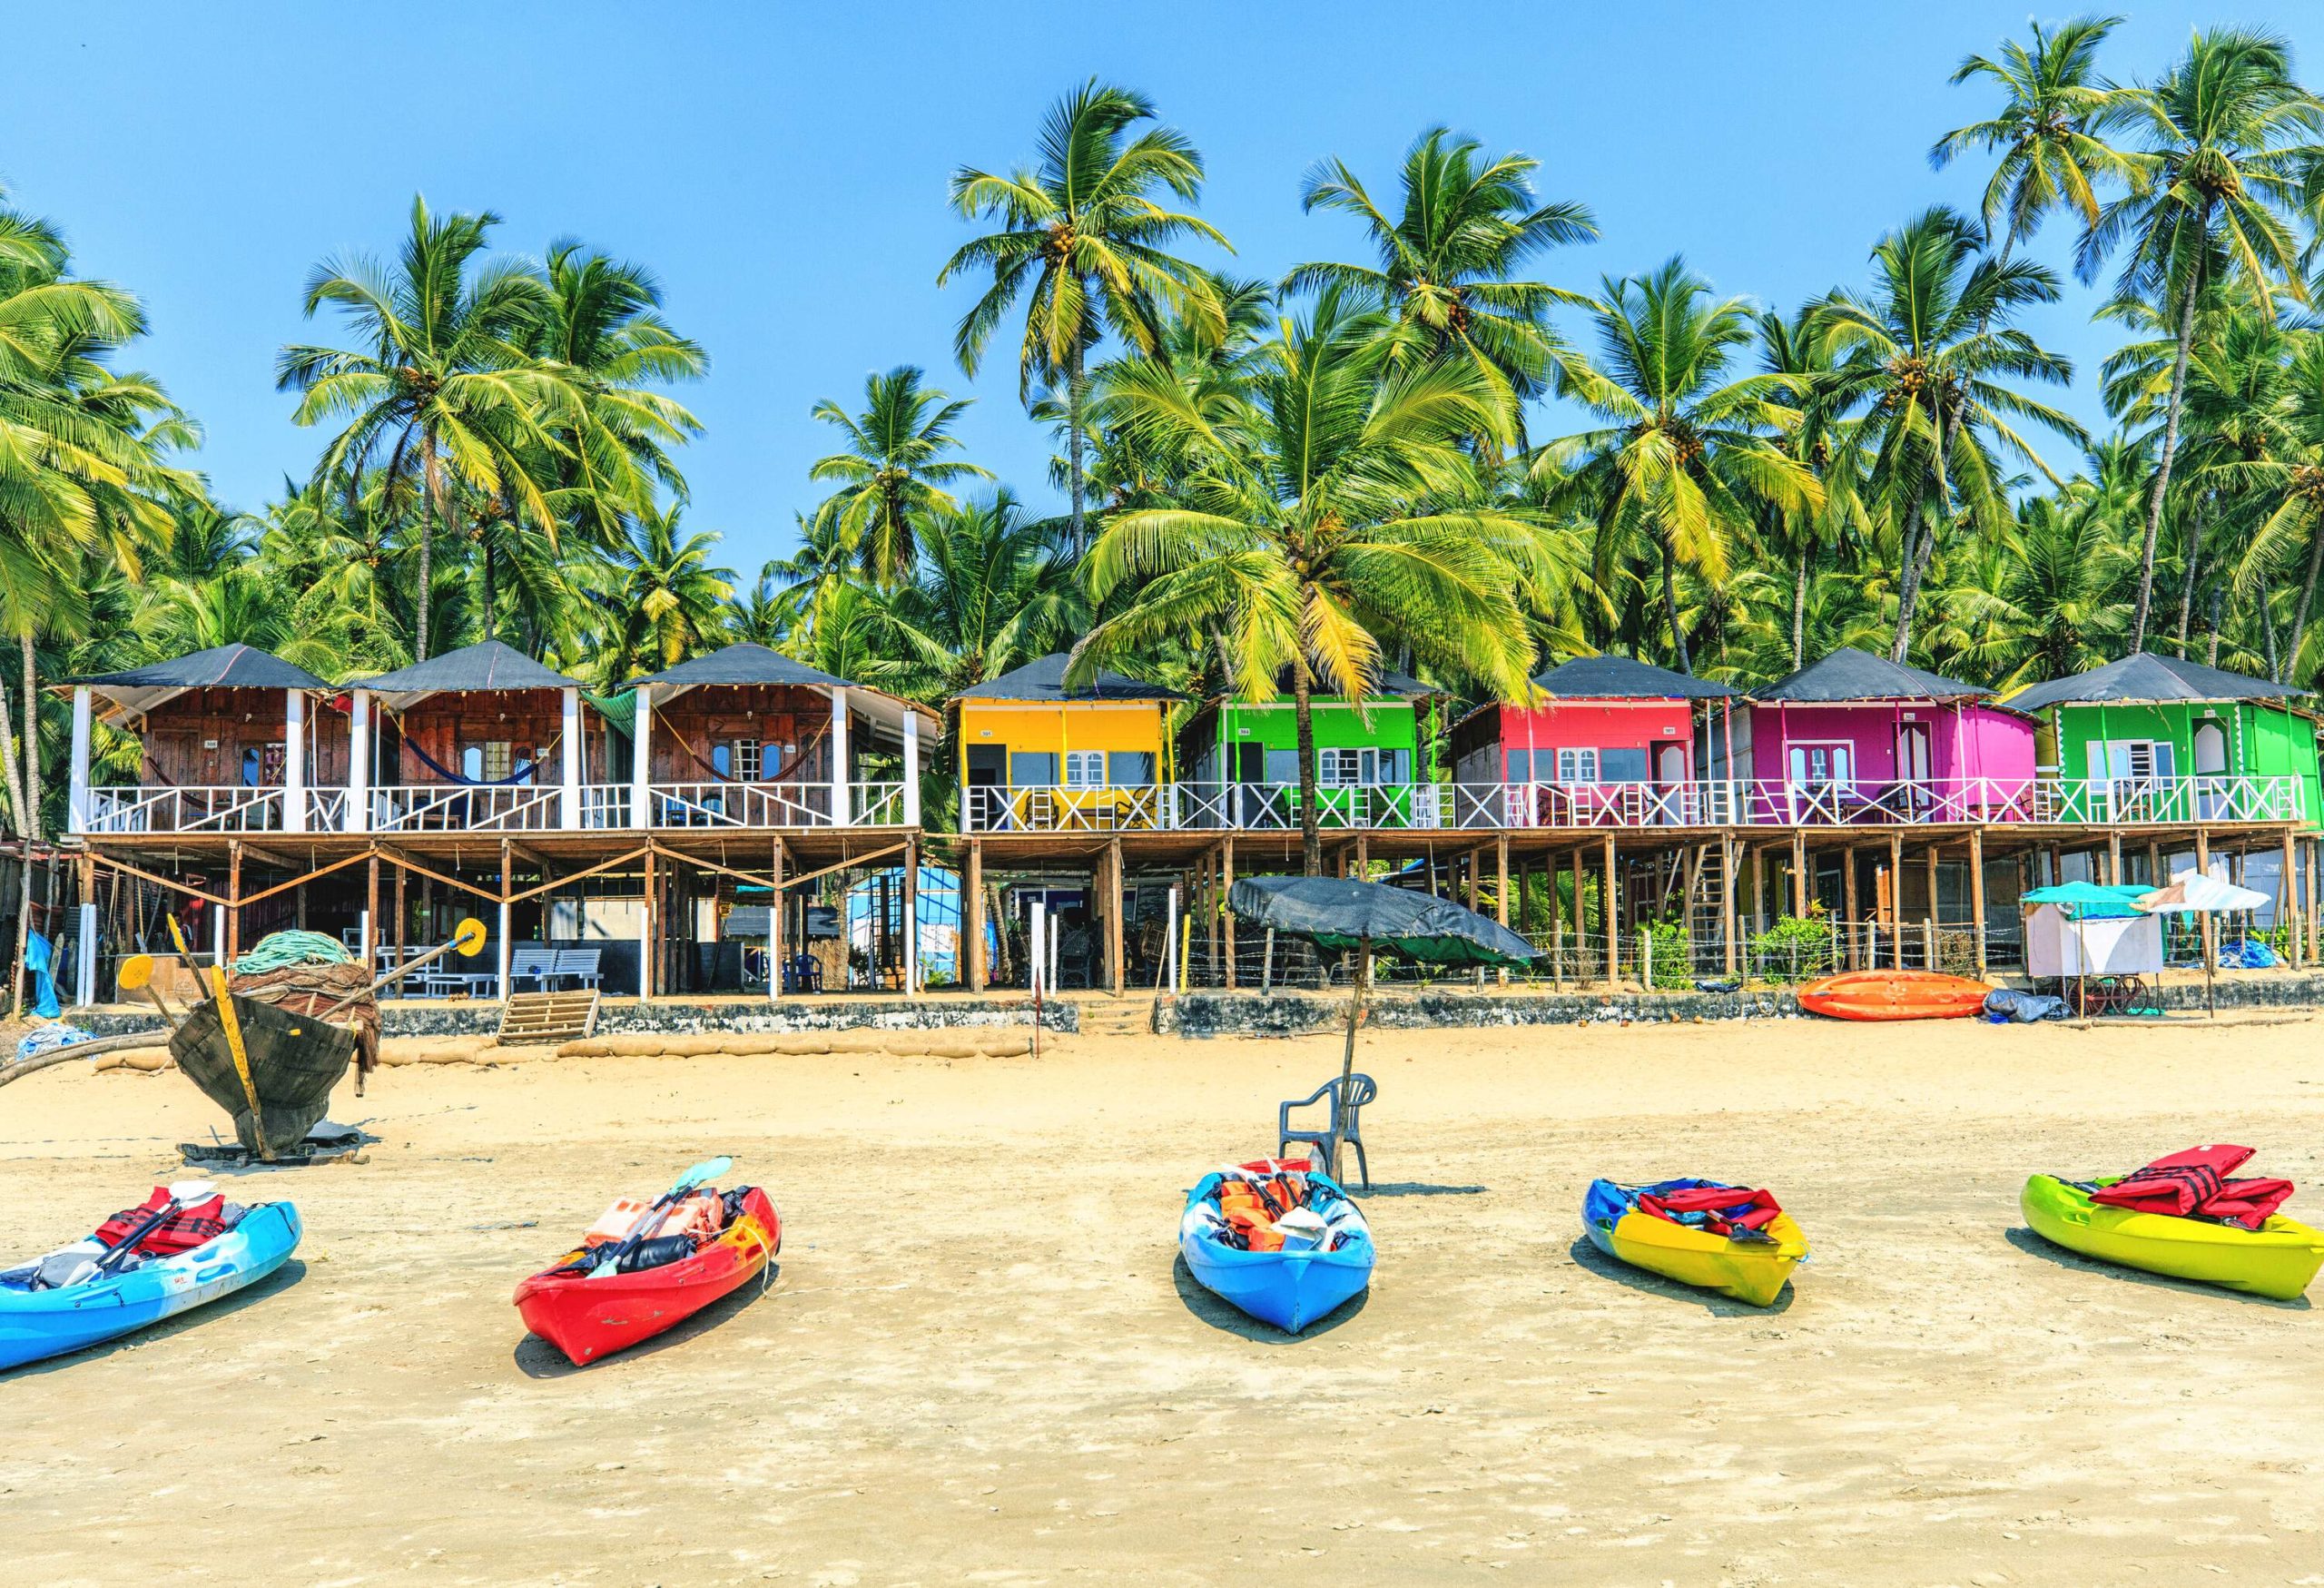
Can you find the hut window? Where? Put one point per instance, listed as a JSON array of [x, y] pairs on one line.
[[721, 760], [1578, 765], [1130, 768], [489, 762], [250, 767], [1283, 767], [1085, 769], [1520, 766], [2210, 747], [1621, 765], [746, 760], [1032, 769]]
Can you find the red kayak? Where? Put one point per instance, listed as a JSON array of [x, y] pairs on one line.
[[1894, 995], [587, 1319]]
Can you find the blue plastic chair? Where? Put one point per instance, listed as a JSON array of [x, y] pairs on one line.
[[1343, 1100]]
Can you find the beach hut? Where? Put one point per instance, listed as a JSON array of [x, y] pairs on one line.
[[1375, 761], [232, 739], [2156, 739], [1036, 755], [749, 737], [1857, 737], [483, 739], [1610, 741]]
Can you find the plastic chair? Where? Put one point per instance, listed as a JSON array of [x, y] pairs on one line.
[[1343, 1120]]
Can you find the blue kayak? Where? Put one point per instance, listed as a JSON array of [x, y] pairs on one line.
[[35, 1324], [1324, 1258]]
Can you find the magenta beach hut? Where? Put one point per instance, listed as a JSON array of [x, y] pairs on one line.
[[1857, 738]]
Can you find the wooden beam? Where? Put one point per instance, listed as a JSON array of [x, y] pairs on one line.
[[159, 882], [681, 857], [602, 866], [1115, 966], [971, 911], [1977, 893], [356, 859], [397, 858]]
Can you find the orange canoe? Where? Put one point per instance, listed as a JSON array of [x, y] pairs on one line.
[[1894, 995]]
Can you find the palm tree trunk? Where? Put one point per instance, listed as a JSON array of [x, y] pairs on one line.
[[2187, 580], [2163, 465], [2307, 599], [31, 811], [1799, 612], [1671, 610], [2267, 631], [1075, 391], [1919, 549], [2218, 596], [8, 763], [483, 547], [1311, 841], [433, 467]]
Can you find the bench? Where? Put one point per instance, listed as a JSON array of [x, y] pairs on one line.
[[580, 964]]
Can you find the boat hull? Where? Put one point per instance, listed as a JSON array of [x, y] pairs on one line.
[[1291, 1290], [2279, 1260], [1887, 995], [35, 1325], [588, 1318], [1751, 1271], [295, 1060]]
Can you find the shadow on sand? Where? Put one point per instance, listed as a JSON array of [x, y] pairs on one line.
[[1589, 1256], [537, 1358], [283, 1278], [2032, 1245], [1228, 1318]]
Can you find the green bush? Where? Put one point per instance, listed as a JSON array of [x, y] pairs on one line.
[[1672, 962], [1795, 949]]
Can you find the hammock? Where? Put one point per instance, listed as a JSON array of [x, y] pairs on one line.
[[516, 775], [788, 774]]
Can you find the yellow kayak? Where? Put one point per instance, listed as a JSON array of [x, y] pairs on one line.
[[2278, 1259], [1753, 1271]]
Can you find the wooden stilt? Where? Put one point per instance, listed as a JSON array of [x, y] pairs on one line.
[[399, 937], [649, 943], [2154, 877], [1610, 908], [1848, 904], [1977, 894], [1896, 901], [233, 892], [973, 907], [1557, 923], [2289, 892], [1800, 873], [777, 948], [911, 948], [1500, 897], [1115, 902], [372, 914], [1227, 915], [1731, 854], [2114, 860]]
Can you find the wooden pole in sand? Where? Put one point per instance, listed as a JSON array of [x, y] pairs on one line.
[[2114, 859], [1977, 894], [1225, 911], [2204, 920], [1799, 872], [1848, 902], [1557, 924], [1730, 854], [2289, 892], [775, 944], [1501, 900], [972, 912], [1115, 970], [1896, 900], [1609, 906], [233, 893], [372, 914]]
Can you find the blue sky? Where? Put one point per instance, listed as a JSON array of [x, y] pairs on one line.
[[782, 167]]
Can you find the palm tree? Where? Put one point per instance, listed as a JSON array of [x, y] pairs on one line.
[[1465, 226], [894, 468], [1335, 509], [802, 585], [1687, 458], [994, 593], [444, 391], [2048, 132], [1922, 358], [1829, 448], [2044, 601], [1084, 242], [663, 600], [2228, 134], [2279, 491]]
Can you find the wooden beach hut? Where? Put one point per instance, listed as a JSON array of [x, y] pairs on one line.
[[1239, 759], [1857, 737], [1038, 756], [2155, 738], [483, 740], [749, 737], [1608, 741], [232, 739]]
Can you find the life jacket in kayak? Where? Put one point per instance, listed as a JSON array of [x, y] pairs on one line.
[[1702, 1204], [197, 1224], [1252, 1198], [2194, 1184]]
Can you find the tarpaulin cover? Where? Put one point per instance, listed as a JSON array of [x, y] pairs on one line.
[[1336, 914]]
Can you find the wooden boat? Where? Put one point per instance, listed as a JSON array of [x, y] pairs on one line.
[[295, 1060], [1753, 1270], [1295, 1283], [587, 1319], [37, 1323], [1873, 995], [2279, 1259]]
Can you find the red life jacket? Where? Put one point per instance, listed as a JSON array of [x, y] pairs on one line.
[[1724, 1208], [197, 1224], [2194, 1184]]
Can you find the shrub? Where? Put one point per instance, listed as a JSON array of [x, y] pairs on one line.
[[1795, 949]]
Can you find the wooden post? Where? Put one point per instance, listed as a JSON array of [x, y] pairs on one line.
[[401, 876], [1501, 900], [233, 893], [972, 914], [1609, 906], [2290, 894], [774, 944], [1557, 921], [1731, 854], [2203, 864], [2315, 930], [2114, 859], [371, 913], [1227, 915], [649, 937], [1210, 913], [1758, 860], [1799, 872], [912, 909], [1115, 975], [1848, 903], [1977, 894], [1896, 900], [2154, 877], [507, 886]]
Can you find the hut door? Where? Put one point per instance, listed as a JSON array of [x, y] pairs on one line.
[[2211, 768], [1669, 763], [1913, 764]]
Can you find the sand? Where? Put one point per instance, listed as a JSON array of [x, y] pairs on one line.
[[980, 1362]]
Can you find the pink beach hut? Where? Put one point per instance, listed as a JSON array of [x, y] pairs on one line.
[[1857, 738]]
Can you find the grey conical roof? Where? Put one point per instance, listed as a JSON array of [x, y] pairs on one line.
[[490, 666], [1623, 679], [2144, 677], [1045, 680], [743, 663], [1848, 674]]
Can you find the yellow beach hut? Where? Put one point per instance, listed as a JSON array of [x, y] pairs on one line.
[[1037, 756]]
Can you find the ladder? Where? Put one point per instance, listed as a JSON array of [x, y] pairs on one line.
[[548, 1017]]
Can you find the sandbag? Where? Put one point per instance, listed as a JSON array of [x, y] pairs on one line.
[[1008, 1046], [144, 1060], [804, 1044], [954, 1047]]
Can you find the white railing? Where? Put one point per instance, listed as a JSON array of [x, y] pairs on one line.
[[231, 808], [2196, 798], [1054, 808], [742, 804], [604, 804], [875, 805], [463, 807]]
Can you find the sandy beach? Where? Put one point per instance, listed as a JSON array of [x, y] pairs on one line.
[[980, 1360]]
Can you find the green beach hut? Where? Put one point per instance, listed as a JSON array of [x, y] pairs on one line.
[[2156, 739], [1375, 763]]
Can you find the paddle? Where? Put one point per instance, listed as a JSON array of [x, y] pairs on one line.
[[709, 1168], [136, 974], [467, 941], [181, 1192]]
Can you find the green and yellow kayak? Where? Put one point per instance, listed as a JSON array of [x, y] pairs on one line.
[[2278, 1259], [1753, 1271]]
